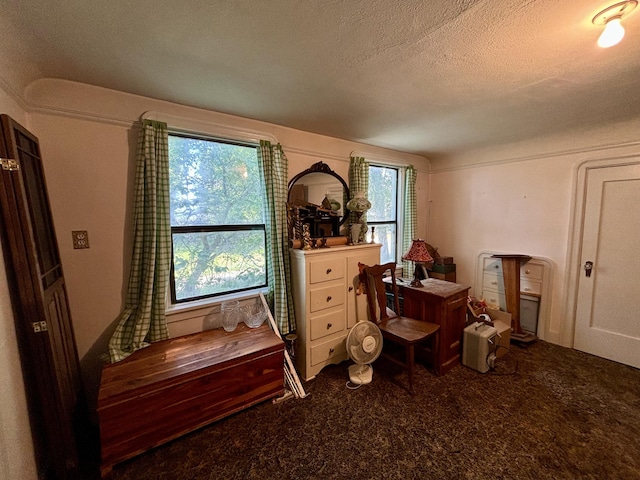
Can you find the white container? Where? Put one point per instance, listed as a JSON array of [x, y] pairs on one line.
[[478, 343]]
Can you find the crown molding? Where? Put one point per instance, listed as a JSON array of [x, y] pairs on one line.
[[15, 96], [540, 156]]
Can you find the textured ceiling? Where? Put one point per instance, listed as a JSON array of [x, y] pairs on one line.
[[427, 77]]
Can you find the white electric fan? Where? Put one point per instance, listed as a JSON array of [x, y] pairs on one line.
[[364, 345]]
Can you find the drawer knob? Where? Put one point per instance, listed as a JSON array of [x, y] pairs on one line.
[[496, 267], [329, 325], [329, 298], [527, 271], [328, 271], [494, 283], [331, 350], [526, 289], [351, 289]]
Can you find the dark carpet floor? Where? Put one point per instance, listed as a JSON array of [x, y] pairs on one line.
[[563, 415]]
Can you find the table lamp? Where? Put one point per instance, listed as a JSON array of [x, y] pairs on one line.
[[417, 254]]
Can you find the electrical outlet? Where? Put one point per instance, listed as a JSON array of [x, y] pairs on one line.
[[80, 239]]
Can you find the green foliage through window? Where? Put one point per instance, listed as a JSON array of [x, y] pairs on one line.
[[383, 195], [217, 219]]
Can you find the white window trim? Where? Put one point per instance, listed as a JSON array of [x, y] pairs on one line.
[[191, 126], [206, 303]]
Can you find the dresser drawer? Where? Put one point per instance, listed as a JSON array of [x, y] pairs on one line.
[[493, 265], [327, 323], [532, 272], [529, 287], [494, 298], [493, 281], [327, 350], [324, 270], [326, 297]]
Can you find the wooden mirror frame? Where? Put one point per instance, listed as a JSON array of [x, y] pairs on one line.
[[320, 167]]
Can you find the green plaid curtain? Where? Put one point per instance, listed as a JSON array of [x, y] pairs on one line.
[[274, 166], [410, 219], [143, 319], [358, 181]]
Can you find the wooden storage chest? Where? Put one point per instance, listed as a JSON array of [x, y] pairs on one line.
[[178, 385]]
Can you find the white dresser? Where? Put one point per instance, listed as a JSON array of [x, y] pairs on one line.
[[535, 288], [531, 274], [327, 302]]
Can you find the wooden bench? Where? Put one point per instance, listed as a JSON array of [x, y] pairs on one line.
[[178, 385]]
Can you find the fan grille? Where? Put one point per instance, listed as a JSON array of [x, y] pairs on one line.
[[364, 342]]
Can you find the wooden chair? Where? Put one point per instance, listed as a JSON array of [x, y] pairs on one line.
[[406, 332]]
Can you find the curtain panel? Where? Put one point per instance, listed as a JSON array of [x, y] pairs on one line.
[[358, 182], [410, 217], [274, 166], [143, 320]]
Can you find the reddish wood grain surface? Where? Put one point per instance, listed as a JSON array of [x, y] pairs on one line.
[[176, 386]]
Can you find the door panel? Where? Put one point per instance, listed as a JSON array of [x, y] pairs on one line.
[[608, 301], [38, 295]]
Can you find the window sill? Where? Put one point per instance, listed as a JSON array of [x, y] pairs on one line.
[[210, 303]]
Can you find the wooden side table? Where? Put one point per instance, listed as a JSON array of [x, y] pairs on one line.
[[444, 303]]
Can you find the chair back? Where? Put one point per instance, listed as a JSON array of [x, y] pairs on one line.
[[377, 293]]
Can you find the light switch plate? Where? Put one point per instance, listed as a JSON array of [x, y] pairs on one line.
[[80, 239]]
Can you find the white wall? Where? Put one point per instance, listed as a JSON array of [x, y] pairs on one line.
[[87, 140], [521, 201], [17, 460]]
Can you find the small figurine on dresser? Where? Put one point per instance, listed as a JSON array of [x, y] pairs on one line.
[[306, 237]]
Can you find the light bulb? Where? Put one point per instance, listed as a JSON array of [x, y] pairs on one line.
[[612, 34]]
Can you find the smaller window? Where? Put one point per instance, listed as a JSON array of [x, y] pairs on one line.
[[383, 215], [217, 220]]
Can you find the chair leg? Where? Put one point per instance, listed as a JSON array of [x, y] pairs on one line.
[[410, 352], [435, 348]]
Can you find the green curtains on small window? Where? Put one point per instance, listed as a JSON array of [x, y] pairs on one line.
[[410, 217], [359, 181], [143, 319], [274, 166]]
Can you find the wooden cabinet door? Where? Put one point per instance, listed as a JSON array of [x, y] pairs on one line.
[[39, 299]]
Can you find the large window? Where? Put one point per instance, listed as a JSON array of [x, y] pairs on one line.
[[383, 215], [217, 219]]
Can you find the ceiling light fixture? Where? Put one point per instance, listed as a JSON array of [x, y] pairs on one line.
[[610, 17]]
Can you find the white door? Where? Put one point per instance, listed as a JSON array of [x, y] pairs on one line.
[[608, 301]]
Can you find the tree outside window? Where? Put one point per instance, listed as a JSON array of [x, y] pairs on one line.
[[383, 215], [217, 219]]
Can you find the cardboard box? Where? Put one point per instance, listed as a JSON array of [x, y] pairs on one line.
[[502, 323]]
